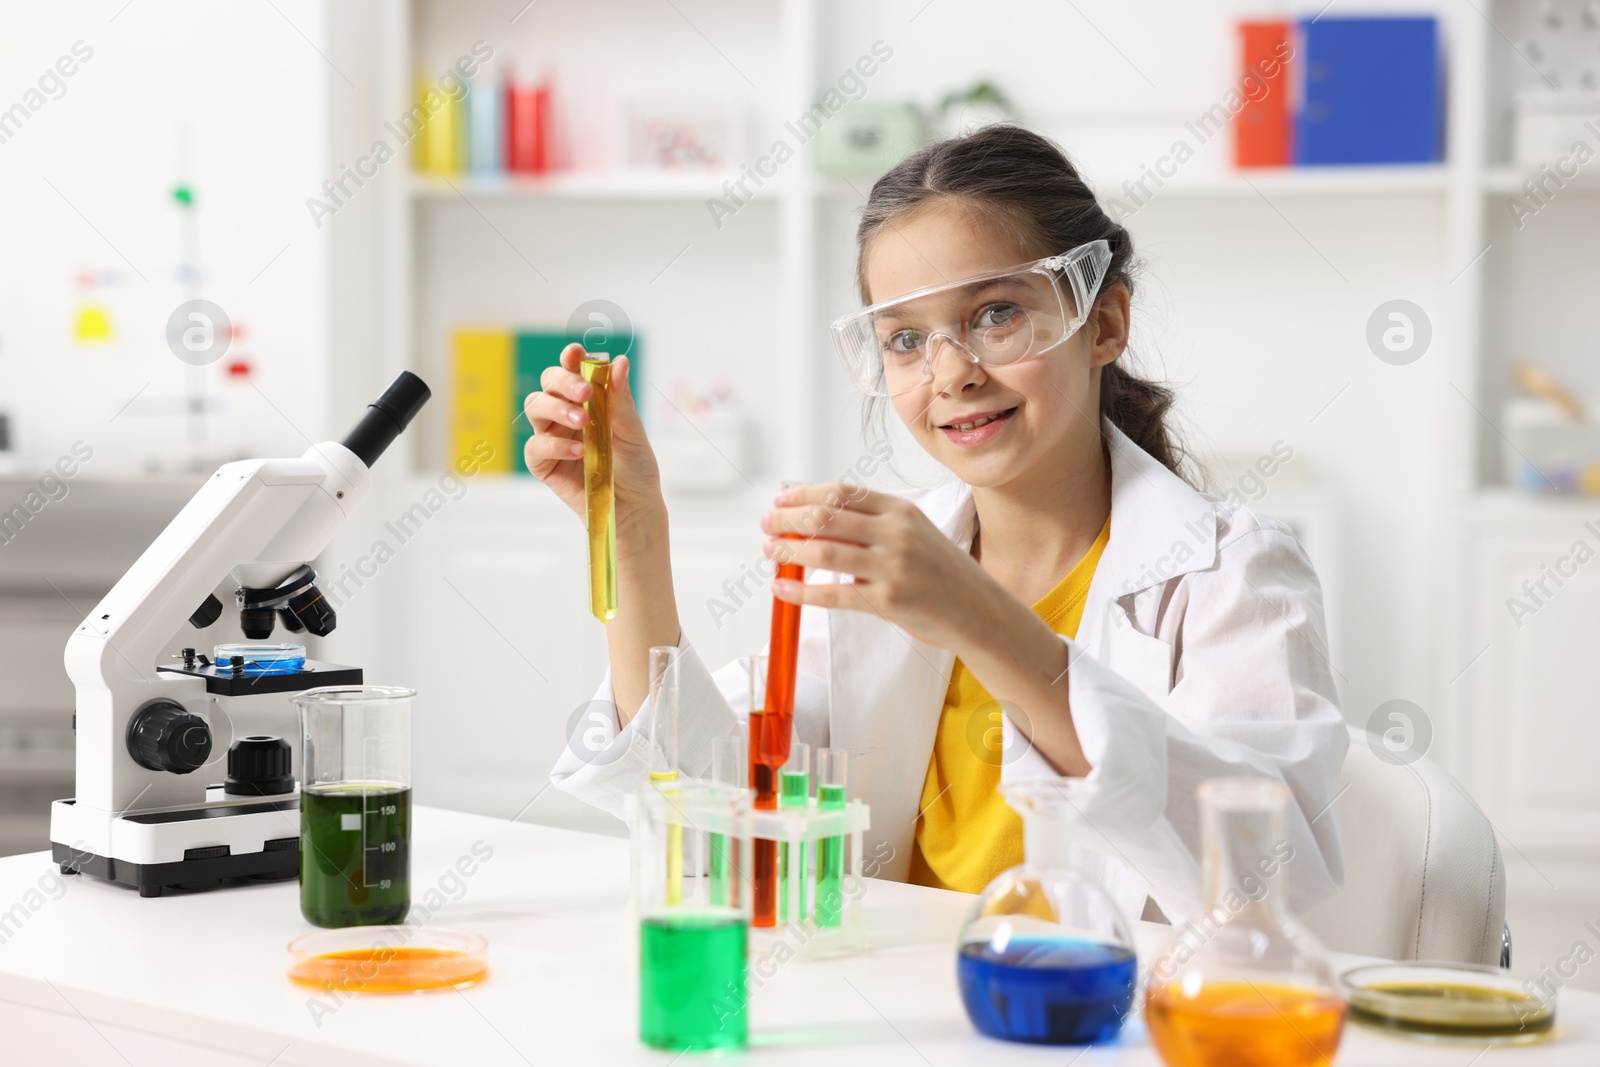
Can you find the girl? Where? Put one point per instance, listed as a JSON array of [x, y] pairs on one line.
[[1066, 605]]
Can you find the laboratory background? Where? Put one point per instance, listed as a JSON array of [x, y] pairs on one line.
[[1373, 291]]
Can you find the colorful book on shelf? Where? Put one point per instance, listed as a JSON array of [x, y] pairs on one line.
[[1261, 131], [536, 350], [484, 125], [493, 372], [1372, 91]]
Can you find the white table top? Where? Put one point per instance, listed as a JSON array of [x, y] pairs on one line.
[[112, 976]]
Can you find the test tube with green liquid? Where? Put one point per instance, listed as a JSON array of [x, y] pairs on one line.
[[728, 771], [599, 498], [794, 791], [831, 764], [664, 752]]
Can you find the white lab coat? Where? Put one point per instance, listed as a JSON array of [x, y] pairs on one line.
[[1201, 652]]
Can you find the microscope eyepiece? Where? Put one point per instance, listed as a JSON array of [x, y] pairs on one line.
[[386, 417]]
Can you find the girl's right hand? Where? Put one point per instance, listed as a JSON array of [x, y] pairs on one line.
[[554, 453]]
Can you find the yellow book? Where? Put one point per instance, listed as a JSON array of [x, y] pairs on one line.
[[443, 133], [483, 402]]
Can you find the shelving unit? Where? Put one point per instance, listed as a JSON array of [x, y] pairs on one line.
[[1515, 695], [755, 295], [1508, 180], [600, 185], [441, 227], [1303, 181], [735, 299]]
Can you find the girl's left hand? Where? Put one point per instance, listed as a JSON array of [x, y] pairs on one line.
[[906, 570]]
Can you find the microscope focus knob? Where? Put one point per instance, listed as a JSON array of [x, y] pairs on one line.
[[164, 737], [259, 766]]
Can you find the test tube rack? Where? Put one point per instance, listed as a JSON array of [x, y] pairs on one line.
[[803, 827]]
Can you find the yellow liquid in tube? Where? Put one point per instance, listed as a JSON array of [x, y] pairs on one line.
[[598, 496], [674, 845]]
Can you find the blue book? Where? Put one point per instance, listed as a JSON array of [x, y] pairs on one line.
[[1372, 91], [484, 128]]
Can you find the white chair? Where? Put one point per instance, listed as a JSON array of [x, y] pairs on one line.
[[1423, 875]]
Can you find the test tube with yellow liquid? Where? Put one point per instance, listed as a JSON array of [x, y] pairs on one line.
[[599, 499], [664, 754]]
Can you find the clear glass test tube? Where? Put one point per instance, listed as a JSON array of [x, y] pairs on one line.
[[727, 771], [831, 769], [664, 750], [795, 781], [599, 498], [784, 648], [664, 720], [794, 791], [764, 783]]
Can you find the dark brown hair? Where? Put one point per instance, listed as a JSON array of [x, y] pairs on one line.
[[1026, 183]]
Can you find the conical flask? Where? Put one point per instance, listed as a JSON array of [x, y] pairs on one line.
[[1244, 983], [1046, 956]]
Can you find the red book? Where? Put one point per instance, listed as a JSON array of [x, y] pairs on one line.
[[1261, 129], [525, 127]]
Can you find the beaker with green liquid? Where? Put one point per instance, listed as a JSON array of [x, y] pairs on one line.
[[355, 805], [692, 941]]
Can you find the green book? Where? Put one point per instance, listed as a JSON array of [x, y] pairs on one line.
[[534, 352]]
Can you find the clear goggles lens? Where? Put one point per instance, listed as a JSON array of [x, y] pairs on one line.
[[994, 319]]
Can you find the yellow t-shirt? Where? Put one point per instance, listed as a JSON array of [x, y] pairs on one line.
[[967, 833]]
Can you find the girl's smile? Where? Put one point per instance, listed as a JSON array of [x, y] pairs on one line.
[[975, 429]]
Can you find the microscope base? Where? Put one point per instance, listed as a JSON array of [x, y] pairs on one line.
[[196, 874], [188, 849]]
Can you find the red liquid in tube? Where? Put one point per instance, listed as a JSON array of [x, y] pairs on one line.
[[771, 727], [764, 851], [783, 659]]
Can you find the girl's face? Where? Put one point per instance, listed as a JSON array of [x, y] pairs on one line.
[[996, 425]]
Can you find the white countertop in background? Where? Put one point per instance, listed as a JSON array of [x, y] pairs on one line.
[[91, 974]]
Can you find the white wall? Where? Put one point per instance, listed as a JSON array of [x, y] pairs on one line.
[[87, 183]]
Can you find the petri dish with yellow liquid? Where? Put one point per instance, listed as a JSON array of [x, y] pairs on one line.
[[388, 959], [1443, 1001]]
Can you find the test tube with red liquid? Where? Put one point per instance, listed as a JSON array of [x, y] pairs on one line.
[[784, 650]]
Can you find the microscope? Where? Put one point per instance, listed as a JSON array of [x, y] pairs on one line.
[[152, 735]]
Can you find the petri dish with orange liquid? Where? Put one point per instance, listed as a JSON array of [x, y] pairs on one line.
[[388, 959]]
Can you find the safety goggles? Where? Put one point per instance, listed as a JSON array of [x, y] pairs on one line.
[[994, 319]]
